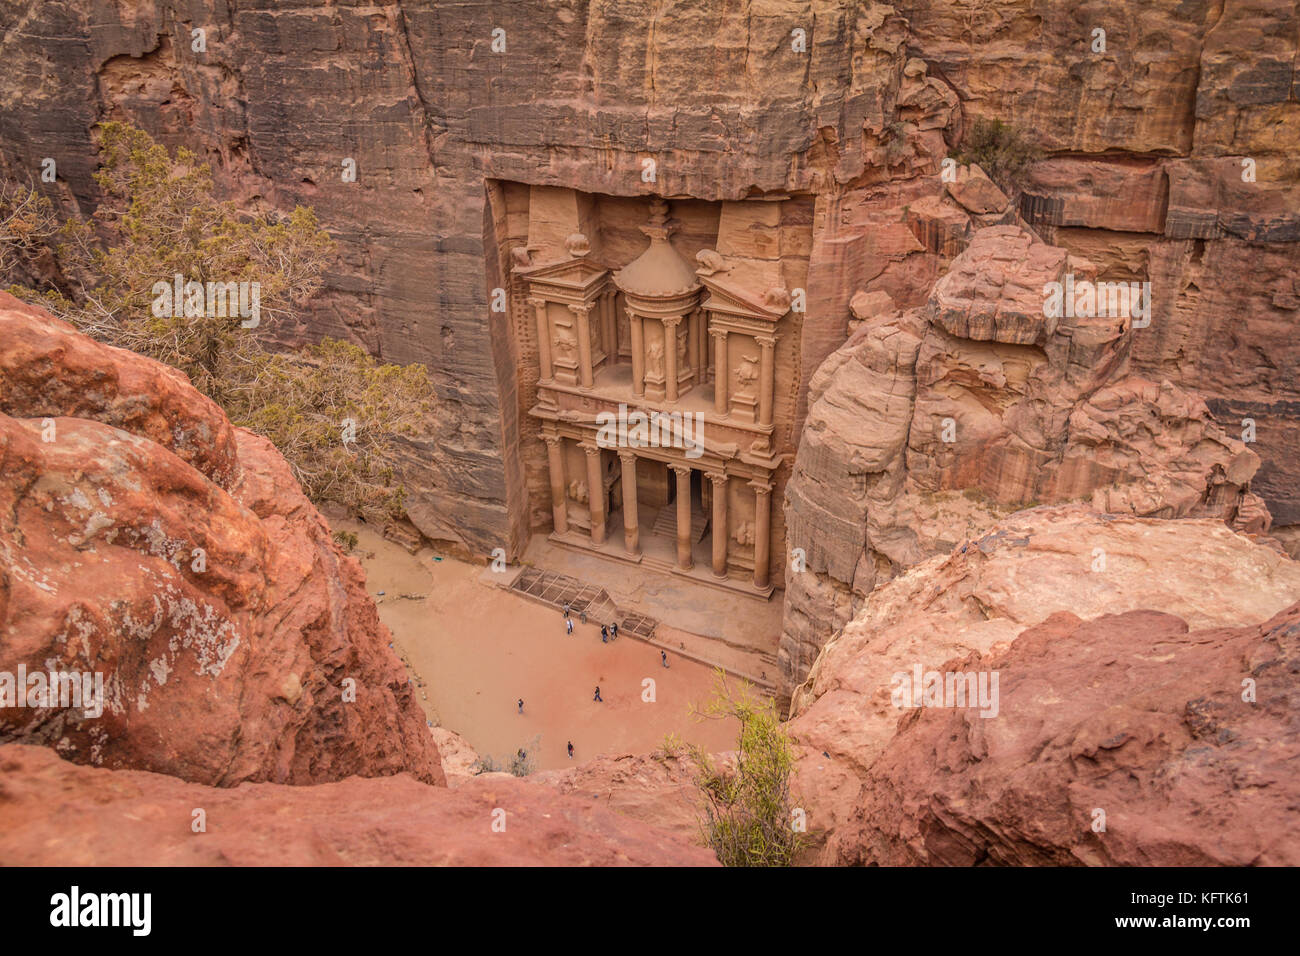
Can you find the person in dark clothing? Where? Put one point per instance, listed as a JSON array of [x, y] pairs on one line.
[[597, 697], [521, 705], [570, 749], [604, 634], [568, 625], [663, 658], [613, 630]]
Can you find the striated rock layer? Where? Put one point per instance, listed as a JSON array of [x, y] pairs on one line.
[[55, 814], [972, 609], [145, 540]]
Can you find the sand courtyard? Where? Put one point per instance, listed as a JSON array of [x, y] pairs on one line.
[[474, 648]]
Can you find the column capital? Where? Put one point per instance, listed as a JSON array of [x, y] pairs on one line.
[[552, 440], [766, 341], [719, 478], [682, 471], [672, 321], [580, 309], [627, 456], [719, 333], [590, 448], [536, 301], [761, 486]]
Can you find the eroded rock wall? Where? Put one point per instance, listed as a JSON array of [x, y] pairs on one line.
[[930, 424], [415, 94], [1160, 684]]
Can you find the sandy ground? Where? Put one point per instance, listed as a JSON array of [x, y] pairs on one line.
[[474, 649]]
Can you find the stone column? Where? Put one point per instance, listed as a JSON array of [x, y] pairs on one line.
[[638, 352], [543, 338], [584, 343], [631, 530], [595, 493], [694, 340], [719, 480], [670, 357], [559, 496], [720, 371], [762, 531], [684, 560], [766, 376], [611, 327]]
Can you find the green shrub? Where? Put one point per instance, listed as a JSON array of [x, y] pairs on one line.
[[748, 808], [332, 410], [999, 150]]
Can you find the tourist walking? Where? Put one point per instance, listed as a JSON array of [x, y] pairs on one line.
[[521, 705], [604, 634], [597, 697], [583, 615], [566, 610], [570, 749], [663, 658], [568, 625], [613, 630]]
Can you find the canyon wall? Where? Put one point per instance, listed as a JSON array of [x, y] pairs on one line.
[[851, 105], [930, 424], [416, 95]]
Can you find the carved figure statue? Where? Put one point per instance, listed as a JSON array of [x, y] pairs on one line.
[[710, 261], [577, 245], [777, 298], [654, 358], [744, 533], [566, 341], [747, 369], [578, 491]]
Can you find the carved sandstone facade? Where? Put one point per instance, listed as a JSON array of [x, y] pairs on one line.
[[703, 351]]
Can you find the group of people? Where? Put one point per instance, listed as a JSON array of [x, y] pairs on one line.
[[608, 632]]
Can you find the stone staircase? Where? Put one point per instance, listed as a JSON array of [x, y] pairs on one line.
[[665, 525]]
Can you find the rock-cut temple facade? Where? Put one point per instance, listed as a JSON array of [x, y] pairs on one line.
[[661, 384]]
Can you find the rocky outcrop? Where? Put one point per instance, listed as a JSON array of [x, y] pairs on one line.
[[131, 818], [930, 424], [1126, 740], [655, 788], [145, 541], [963, 610], [978, 600]]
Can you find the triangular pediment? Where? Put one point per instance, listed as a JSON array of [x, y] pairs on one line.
[[575, 273], [728, 299]]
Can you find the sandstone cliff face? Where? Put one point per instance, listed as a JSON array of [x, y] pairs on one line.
[[146, 540], [1143, 175], [929, 424], [415, 94], [130, 818], [973, 610]]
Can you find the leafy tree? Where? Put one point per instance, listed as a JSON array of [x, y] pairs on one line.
[[748, 808], [331, 409]]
